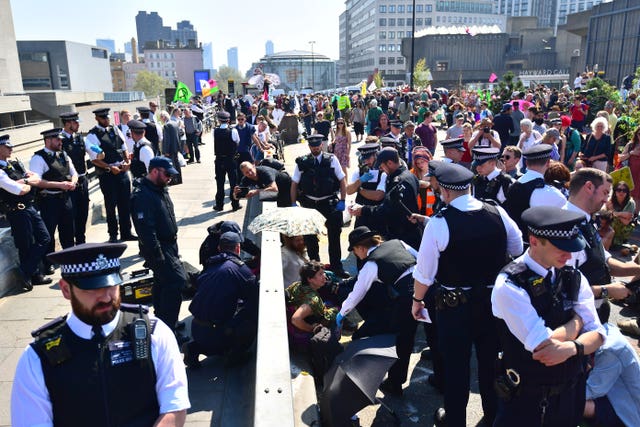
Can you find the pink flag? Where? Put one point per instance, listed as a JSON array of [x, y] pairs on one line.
[[469, 31], [493, 78]]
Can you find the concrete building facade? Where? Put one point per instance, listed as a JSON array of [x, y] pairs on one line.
[[108, 44], [550, 13]]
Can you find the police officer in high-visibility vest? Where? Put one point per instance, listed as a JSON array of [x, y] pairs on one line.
[[103, 364], [547, 322]]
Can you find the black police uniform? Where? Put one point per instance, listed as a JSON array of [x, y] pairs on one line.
[[225, 149], [73, 145], [155, 223], [518, 198], [138, 168], [487, 190], [319, 188], [116, 189], [30, 235], [266, 175], [225, 307]]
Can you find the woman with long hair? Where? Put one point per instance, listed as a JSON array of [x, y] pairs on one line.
[[631, 153], [384, 127], [426, 197], [623, 209], [342, 144]]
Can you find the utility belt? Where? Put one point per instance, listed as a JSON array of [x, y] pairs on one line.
[[207, 324], [57, 195], [316, 201], [452, 297], [6, 207]]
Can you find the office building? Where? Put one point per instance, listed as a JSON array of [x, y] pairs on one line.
[[174, 63], [268, 48], [131, 71], [207, 55], [232, 58], [127, 48], [299, 69], [150, 28], [184, 35], [550, 13], [108, 44], [371, 32]]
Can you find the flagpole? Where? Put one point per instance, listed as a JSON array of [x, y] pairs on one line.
[[413, 42]]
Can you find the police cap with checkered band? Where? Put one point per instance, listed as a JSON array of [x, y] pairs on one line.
[[90, 265], [558, 226]]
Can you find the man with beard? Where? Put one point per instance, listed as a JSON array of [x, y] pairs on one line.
[[88, 368], [155, 222]]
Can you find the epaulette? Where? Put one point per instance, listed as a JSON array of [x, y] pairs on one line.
[[55, 322], [237, 261], [441, 212], [514, 268]]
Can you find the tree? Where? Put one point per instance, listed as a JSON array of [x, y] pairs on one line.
[[224, 74], [378, 80], [504, 90], [421, 75], [150, 83], [598, 92]]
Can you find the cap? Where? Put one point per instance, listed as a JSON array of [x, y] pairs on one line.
[[90, 265], [70, 117], [223, 116], [359, 234], [51, 133], [538, 152], [387, 153], [136, 125], [387, 141], [409, 124], [453, 143], [433, 165], [556, 121], [453, 177], [566, 121], [143, 109], [506, 107], [482, 154], [553, 132], [5, 140], [230, 237], [315, 140], [163, 162], [368, 149], [102, 112], [233, 226], [557, 225], [396, 124], [459, 116]]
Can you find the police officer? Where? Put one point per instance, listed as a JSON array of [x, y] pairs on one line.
[[142, 149], [530, 189], [225, 145], [546, 323], [73, 144], [490, 183], [400, 201], [225, 308], [369, 184], [59, 179], [382, 294], [115, 183], [453, 150], [153, 131], [30, 235], [318, 177], [155, 222], [103, 364], [463, 248]]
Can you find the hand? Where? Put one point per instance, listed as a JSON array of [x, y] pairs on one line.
[[340, 206], [355, 210], [416, 218], [618, 291], [419, 312], [553, 352], [366, 177], [339, 319], [252, 193], [115, 170]]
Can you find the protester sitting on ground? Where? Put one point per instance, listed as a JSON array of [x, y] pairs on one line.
[[209, 247], [604, 219], [294, 256], [623, 208]]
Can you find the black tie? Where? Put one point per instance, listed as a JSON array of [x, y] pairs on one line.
[[98, 333]]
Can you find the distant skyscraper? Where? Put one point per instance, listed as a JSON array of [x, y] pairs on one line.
[[268, 47], [207, 56], [150, 29], [127, 48], [184, 34], [232, 58], [108, 44], [550, 13]]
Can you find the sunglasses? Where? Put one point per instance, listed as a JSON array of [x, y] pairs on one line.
[[621, 190], [507, 157], [339, 123]]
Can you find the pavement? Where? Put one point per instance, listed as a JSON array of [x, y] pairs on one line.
[[219, 396]]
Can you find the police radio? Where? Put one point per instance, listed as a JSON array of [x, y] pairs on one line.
[[139, 333]]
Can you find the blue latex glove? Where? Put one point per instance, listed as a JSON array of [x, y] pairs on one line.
[[340, 206], [294, 205], [339, 319], [366, 177], [96, 149]]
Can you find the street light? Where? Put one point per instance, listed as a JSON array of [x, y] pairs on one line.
[[413, 41], [313, 75]]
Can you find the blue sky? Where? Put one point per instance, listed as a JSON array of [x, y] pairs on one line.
[[247, 24]]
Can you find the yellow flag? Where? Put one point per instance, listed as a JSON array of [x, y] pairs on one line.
[[363, 89], [623, 174]]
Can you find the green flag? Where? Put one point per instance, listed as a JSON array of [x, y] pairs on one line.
[[182, 93]]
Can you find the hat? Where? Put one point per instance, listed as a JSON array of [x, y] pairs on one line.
[[223, 116], [556, 121], [409, 124], [387, 153], [230, 237], [70, 117], [226, 226], [421, 152], [482, 154], [453, 143], [566, 121], [136, 125], [506, 107], [163, 162], [387, 141], [4, 140], [433, 165], [557, 225], [90, 265], [51, 133], [143, 109], [538, 152], [315, 140], [102, 112], [359, 234], [459, 116], [553, 132], [453, 177], [368, 149], [396, 124]]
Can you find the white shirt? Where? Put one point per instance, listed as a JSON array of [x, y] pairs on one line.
[[146, 152], [512, 304], [500, 196], [382, 185], [335, 164], [579, 258], [546, 196], [7, 184], [277, 114], [366, 276], [235, 136], [68, 135], [92, 139], [30, 402], [436, 239], [39, 166]]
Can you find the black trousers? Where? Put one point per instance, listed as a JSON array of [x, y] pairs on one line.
[[459, 328], [234, 338], [80, 204], [225, 166], [169, 278], [327, 208], [31, 237], [431, 333], [116, 190], [192, 143], [57, 213]]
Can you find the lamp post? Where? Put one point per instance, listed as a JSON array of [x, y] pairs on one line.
[[313, 74], [413, 41]]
